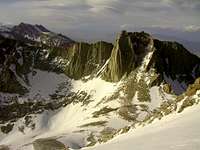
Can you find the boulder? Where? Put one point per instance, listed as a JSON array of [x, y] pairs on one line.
[[3, 147], [48, 144]]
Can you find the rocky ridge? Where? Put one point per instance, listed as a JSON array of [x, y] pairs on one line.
[[133, 82], [36, 33]]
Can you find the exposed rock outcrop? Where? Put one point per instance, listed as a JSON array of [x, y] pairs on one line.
[[172, 63], [193, 88], [170, 60], [85, 58], [127, 54], [173, 59], [48, 144], [175, 64]]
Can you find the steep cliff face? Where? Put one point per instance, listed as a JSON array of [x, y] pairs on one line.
[[15, 64], [175, 64], [140, 53], [132, 52], [53, 104], [127, 54], [84, 58], [173, 59], [19, 59]]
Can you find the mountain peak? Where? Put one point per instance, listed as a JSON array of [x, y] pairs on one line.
[[28, 30], [67, 82], [36, 33], [140, 52], [36, 27], [129, 50]]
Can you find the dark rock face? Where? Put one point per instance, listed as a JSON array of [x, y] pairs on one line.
[[172, 60], [9, 83], [18, 59], [48, 144], [10, 66], [127, 54], [85, 58]]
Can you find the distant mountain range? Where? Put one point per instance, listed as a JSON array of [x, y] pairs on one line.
[[37, 33]]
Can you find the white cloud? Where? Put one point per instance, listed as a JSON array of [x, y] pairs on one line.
[[192, 28], [99, 17]]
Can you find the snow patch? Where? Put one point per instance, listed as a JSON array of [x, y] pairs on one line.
[[145, 62], [45, 83], [96, 87], [156, 98]]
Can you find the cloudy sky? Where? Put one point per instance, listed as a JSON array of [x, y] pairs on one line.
[[101, 19]]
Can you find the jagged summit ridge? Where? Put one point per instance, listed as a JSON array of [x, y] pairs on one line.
[[135, 52], [29, 31], [127, 54], [141, 53], [86, 59], [58, 92]]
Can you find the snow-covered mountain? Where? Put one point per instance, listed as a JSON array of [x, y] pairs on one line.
[[85, 94], [36, 33]]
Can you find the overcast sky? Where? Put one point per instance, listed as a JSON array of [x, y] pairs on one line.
[[87, 19]]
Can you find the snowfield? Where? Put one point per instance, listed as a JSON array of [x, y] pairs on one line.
[[45, 83], [63, 123], [173, 132]]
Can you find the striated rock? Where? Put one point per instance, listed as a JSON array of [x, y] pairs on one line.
[[48, 144], [170, 60], [85, 58], [127, 54], [138, 52]]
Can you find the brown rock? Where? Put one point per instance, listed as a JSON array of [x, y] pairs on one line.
[[167, 88]]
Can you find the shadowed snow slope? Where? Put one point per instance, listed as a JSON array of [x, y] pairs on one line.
[[62, 123], [174, 132]]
